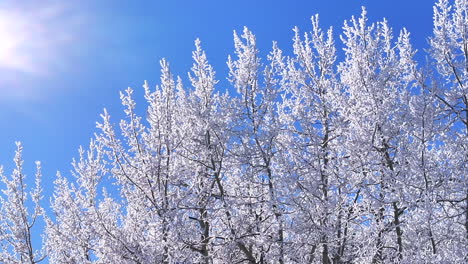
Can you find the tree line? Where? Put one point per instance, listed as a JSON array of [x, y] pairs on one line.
[[306, 158]]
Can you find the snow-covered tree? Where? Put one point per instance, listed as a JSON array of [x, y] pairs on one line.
[[20, 213], [449, 49]]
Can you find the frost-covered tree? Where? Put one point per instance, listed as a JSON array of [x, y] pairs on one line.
[[71, 234], [376, 74], [312, 128], [449, 49], [256, 151], [20, 213]]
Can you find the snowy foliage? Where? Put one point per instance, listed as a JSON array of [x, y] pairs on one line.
[[310, 159], [19, 211]]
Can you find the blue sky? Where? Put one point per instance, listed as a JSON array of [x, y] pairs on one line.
[[64, 61]]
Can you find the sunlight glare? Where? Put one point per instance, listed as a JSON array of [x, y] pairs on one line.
[[13, 35], [35, 35], [37, 42]]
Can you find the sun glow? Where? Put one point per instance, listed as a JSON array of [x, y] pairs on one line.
[[13, 38], [36, 42], [34, 35], [7, 44]]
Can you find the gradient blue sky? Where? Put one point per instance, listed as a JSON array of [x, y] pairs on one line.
[[67, 60]]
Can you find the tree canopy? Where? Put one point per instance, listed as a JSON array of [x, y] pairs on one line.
[[311, 157]]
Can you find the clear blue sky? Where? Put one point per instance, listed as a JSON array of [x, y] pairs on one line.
[[64, 61]]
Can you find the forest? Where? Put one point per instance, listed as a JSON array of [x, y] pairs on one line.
[[319, 156]]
